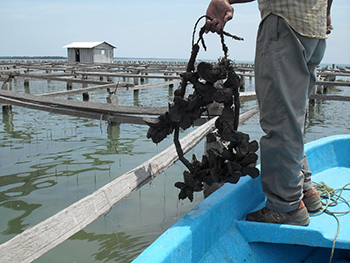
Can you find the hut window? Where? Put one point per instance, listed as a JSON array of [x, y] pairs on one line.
[[103, 52]]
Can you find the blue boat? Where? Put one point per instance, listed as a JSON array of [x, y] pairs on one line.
[[216, 229]]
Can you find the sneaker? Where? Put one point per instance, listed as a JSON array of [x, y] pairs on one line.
[[299, 216], [312, 200]]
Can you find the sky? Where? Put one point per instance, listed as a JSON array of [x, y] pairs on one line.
[[141, 29]]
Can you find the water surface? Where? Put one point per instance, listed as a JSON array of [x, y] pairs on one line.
[[49, 161]]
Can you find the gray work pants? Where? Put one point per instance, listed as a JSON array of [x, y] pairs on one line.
[[285, 64]]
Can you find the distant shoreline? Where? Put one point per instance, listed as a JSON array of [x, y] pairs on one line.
[[115, 58], [323, 64], [32, 57]]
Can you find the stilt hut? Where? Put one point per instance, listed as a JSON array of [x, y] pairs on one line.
[[90, 52]]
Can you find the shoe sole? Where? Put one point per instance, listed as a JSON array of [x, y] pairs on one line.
[[314, 209], [312, 202], [313, 206], [301, 218], [303, 222]]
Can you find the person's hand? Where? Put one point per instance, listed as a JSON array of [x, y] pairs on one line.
[[329, 25], [220, 11]]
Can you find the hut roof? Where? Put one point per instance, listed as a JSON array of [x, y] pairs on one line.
[[86, 44]]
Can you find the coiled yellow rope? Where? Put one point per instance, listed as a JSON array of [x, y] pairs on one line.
[[332, 196]]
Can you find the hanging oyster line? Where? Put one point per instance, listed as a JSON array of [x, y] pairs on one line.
[[219, 83]]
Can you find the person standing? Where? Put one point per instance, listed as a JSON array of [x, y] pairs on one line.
[[290, 44]]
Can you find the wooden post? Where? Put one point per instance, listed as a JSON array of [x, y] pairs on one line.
[[86, 96], [69, 85], [312, 101], [7, 118], [7, 86], [136, 81], [318, 89], [6, 108], [242, 86], [326, 87], [136, 97], [171, 90]]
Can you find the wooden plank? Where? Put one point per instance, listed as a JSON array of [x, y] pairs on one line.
[[131, 75], [44, 75], [80, 91], [39, 239], [247, 96], [127, 75], [120, 118], [329, 97], [111, 117], [12, 70], [23, 99], [152, 85], [104, 108], [333, 83], [66, 77], [121, 87], [334, 73]]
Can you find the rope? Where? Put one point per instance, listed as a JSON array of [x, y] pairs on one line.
[[332, 196]]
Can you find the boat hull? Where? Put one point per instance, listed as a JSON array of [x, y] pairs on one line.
[[216, 229]]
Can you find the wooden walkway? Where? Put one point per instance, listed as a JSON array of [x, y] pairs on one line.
[[134, 71], [95, 77], [39, 239], [94, 110]]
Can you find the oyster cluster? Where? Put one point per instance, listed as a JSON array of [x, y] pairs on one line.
[[237, 159], [208, 87], [211, 82]]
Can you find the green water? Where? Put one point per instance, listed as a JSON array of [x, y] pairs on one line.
[[49, 161]]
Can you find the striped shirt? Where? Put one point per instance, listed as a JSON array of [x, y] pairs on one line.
[[307, 17]]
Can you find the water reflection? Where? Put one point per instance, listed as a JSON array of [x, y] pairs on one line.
[[136, 97], [7, 120], [26, 86], [39, 149], [28, 184], [118, 246], [113, 134], [314, 114], [171, 92], [13, 189], [16, 225]]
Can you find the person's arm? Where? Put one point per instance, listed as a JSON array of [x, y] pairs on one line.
[[329, 24], [220, 11]]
